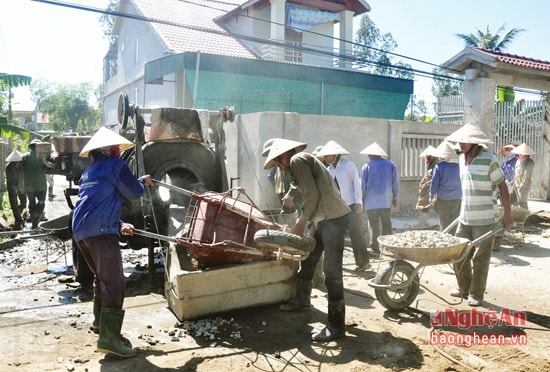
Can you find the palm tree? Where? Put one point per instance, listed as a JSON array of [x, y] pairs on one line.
[[496, 43], [489, 40]]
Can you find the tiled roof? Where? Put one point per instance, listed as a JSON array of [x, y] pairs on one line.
[[519, 60], [196, 18]]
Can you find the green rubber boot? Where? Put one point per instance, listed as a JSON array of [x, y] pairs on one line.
[[110, 323]]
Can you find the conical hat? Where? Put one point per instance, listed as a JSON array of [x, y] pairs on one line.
[[316, 150], [374, 149], [332, 148], [267, 146], [445, 152], [469, 133], [429, 151], [279, 147], [523, 149], [105, 138], [14, 156]]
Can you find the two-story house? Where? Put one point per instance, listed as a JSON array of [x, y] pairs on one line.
[[262, 55]]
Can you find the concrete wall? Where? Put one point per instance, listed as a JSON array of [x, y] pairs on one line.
[[246, 136]]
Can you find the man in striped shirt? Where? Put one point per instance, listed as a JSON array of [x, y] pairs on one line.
[[481, 176]]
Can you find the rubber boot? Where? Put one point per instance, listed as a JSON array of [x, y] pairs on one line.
[[95, 324], [302, 301], [97, 312], [110, 323], [50, 192], [336, 327], [35, 219]]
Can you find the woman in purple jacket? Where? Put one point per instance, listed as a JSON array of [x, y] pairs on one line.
[[445, 188], [96, 229]]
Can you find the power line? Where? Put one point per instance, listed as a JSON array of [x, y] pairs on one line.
[[353, 58], [254, 39]]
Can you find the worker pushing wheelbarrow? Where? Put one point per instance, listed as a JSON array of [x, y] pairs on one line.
[[397, 283], [220, 229]]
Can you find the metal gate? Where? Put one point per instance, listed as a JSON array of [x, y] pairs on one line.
[[523, 121]]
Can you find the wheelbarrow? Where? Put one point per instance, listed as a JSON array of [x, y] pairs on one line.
[[396, 284], [57, 228], [221, 230]]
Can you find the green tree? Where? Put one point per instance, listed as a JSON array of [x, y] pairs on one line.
[[417, 110], [497, 43], [108, 22], [445, 85], [488, 40], [373, 51], [68, 106]]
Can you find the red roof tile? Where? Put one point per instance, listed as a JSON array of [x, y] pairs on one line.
[[519, 60]]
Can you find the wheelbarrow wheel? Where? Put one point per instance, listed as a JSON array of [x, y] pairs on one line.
[[395, 273], [290, 245]]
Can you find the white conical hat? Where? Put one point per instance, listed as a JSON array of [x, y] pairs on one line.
[[14, 156], [429, 151], [267, 146], [332, 148], [445, 152], [316, 150], [469, 133], [105, 138], [374, 149], [523, 149], [279, 147]]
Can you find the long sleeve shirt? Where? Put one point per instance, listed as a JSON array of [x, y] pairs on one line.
[[321, 197], [14, 178], [33, 172], [379, 184], [101, 189], [524, 173], [446, 181], [347, 177]]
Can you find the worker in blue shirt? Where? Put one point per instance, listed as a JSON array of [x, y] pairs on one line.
[[380, 191], [96, 227], [445, 188]]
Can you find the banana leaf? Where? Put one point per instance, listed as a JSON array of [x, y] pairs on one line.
[[14, 81], [10, 131]]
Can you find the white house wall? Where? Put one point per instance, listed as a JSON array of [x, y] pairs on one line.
[[129, 76]]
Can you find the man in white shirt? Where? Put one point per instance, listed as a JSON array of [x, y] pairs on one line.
[[346, 175]]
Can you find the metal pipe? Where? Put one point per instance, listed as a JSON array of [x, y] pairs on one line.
[[172, 187], [148, 234]]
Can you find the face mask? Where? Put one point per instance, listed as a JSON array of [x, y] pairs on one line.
[[115, 152]]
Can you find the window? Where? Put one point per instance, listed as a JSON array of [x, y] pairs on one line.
[[136, 56], [293, 50]]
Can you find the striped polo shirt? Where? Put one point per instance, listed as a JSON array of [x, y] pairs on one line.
[[479, 182]]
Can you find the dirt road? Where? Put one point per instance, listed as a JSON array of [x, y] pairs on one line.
[[44, 323]]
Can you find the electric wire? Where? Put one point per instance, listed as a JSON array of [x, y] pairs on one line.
[[354, 58], [258, 39]]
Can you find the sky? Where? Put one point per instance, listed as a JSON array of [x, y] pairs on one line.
[[67, 46]]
